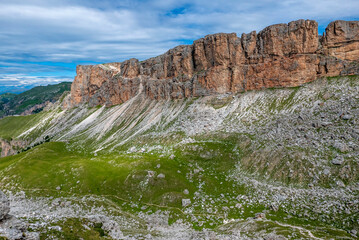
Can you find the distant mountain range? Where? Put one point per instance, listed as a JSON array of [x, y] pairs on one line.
[[15, 89], [31, 101]]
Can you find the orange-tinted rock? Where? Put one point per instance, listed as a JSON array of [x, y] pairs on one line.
[[297, 37], [11, 147], [281, 55], [341, 40]]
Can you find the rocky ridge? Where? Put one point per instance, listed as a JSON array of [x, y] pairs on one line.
[[281, 55]]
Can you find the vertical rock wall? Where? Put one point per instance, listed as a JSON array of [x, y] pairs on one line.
[[281, 55]]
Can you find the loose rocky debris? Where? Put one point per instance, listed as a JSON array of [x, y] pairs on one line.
[[11, 227], [44, 215], [4, 205], [303, 159]]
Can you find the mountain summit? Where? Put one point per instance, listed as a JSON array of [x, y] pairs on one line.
[[281, 55]]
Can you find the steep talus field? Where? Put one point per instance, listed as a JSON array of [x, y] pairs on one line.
[[273, 164]]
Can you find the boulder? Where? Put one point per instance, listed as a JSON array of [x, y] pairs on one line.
[[186, 202], [161, 175], [338, 161], [340, 146], [260, 215]]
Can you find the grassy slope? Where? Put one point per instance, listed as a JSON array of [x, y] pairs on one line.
[[123, 177], [13, 126]]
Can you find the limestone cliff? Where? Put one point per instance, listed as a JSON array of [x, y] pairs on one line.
[[11, 147], [281, 55]]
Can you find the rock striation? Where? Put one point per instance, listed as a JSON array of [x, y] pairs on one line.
[[281, 55]]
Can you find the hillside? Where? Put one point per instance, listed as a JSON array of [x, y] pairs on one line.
[[272, 163], [251, 137], [31, 101]]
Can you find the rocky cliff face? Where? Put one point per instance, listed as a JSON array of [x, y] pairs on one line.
[[11, 147], [281, 55]]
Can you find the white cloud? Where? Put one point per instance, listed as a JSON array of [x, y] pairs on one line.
[[72, 31], [20, 80], [84, 30]]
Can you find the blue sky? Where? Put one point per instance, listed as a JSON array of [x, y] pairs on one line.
[[41, 42]]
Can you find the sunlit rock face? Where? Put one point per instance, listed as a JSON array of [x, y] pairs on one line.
[[281, 55]]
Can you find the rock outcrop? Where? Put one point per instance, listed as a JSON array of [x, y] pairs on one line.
[[281, 55], [342, 40], [11, 147], [4, 205]]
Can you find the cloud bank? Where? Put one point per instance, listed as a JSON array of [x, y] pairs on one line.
[[50, 37]]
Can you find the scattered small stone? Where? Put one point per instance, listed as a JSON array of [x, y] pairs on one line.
[[238, 205], [58, 188], [186, 202], [342, 147], [56, 228], [151, 174], [260, 216], [338, 160], [325, 124], [161, 175], [347, 117], [353, 232], [326, 96], [158, 165], [326, 171], [274, 207], [56, 202], [186, 192], [132, 149], [273, 236], [340, 183]]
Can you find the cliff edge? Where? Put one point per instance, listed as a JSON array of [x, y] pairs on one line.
[[281, 55]]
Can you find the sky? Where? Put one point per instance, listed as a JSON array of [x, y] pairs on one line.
[[42, 41]]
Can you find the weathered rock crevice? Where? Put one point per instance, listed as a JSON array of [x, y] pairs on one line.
[[281, 55], [11, 147]]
